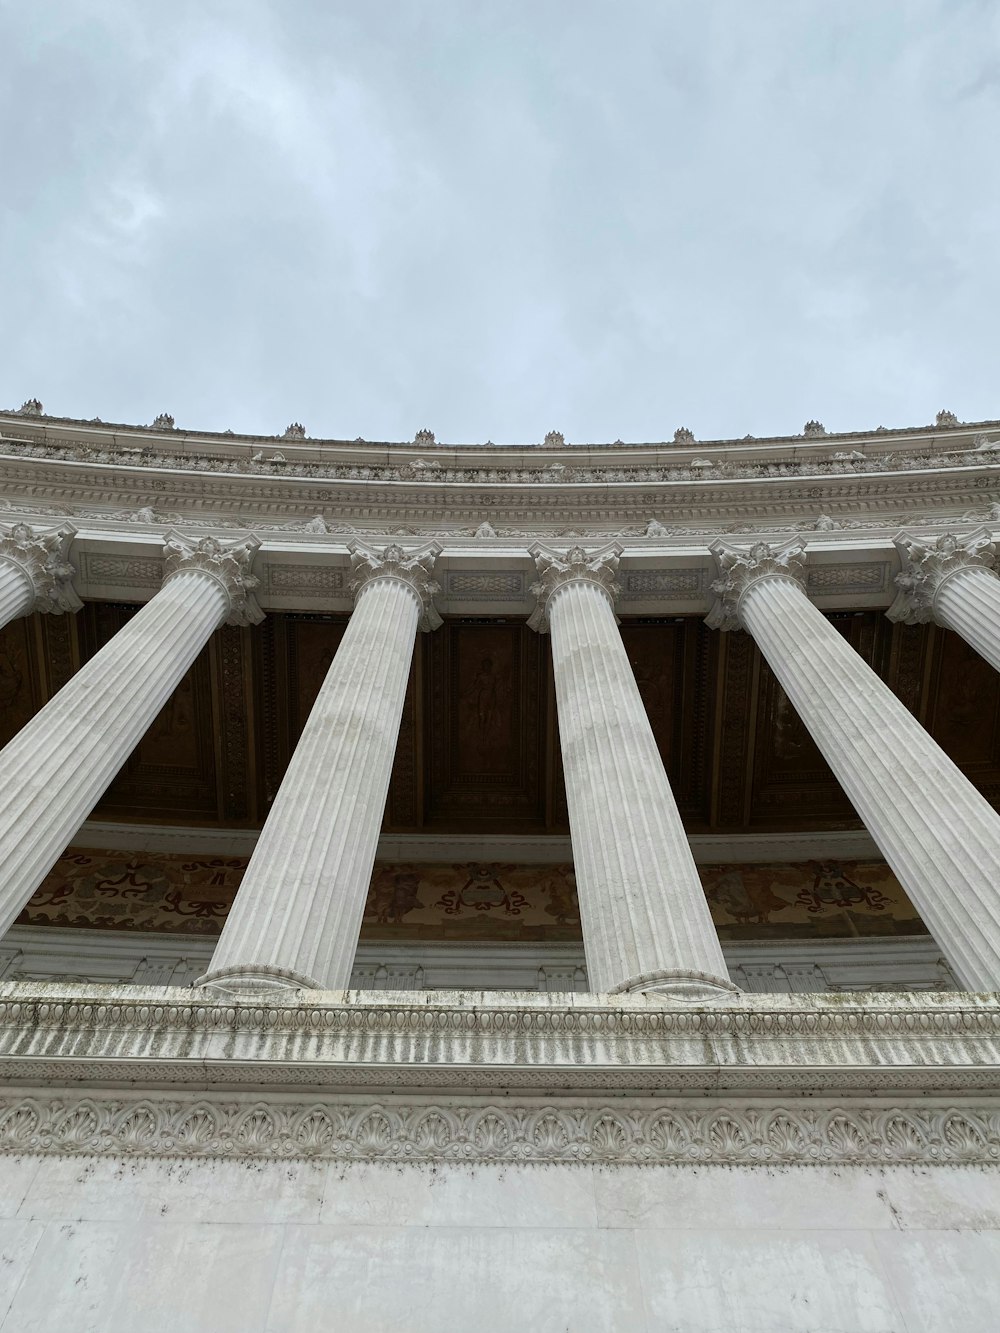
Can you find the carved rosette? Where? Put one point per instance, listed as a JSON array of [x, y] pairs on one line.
[[415, 570], [227, 562], [739, 568], [926, 567], [556, 570], [42, 557]]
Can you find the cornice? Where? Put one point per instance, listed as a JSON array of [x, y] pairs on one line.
[[883, 501]]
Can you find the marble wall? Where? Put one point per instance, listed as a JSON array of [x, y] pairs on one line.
[[101, 1245]]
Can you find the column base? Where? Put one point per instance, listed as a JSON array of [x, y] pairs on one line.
[[678, 984], [257, 981]]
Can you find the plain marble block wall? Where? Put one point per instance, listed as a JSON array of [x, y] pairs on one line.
[[268, 1247]]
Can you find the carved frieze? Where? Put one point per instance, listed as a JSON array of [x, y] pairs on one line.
[[103, 1124]]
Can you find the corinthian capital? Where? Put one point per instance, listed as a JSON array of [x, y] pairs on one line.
[[576, 565], [740, 567], [415, 569], [227, 562], [925, 568], [41, 556]]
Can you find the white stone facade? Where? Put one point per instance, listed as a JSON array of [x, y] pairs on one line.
[[271, 1151]]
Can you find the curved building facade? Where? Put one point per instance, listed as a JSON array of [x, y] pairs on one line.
[[425, 867]]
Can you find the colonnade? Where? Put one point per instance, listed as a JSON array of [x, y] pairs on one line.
[[646, 924]]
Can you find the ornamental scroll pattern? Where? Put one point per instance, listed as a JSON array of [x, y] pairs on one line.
[[415, 569], [816, 462], [739, 568], [175, 894], [577, 565], [43, 559], [555, 1133], [228, 562], [927, 565]]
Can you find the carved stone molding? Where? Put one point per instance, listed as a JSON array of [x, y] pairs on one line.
[[415, 570], [677, 584], [937, 1043], [122, 1125], [487, 586], [42, 557], [739, 568], [555, 570], [847, 580], [927, 565], [227, 562]]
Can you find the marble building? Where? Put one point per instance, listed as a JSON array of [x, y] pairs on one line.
[[469, 886]]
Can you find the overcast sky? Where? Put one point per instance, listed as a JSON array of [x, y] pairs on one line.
[[495, 218]]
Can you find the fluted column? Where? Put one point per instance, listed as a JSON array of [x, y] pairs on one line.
[[35, 573], [939, 835], [646, 923], [297, 915], [55, 769], [954, 583]]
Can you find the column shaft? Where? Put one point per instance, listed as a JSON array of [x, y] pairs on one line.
[[17, 593], [968, 602], [646, 923], [54, 770], [297, 915], [941, 837]]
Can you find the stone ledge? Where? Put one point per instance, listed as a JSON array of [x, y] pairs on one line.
[[468, 1041]]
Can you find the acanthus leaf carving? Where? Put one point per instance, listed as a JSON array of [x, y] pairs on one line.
[[556, 570], [42, 556], [796, 1133], [227, 562], [739, 567], [927, 565], [415, 569]]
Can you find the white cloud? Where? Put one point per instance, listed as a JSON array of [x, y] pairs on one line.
[[498, 220]]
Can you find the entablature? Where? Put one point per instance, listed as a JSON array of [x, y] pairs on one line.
[[311, 571]]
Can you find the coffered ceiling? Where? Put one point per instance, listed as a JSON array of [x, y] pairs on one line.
[[478, 749]]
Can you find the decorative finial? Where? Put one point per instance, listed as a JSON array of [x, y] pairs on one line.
[[814, 428], [31, 407], [296, 431], [945, 418], [163, 422], [683, 436], [424, 436], [554, 439]]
